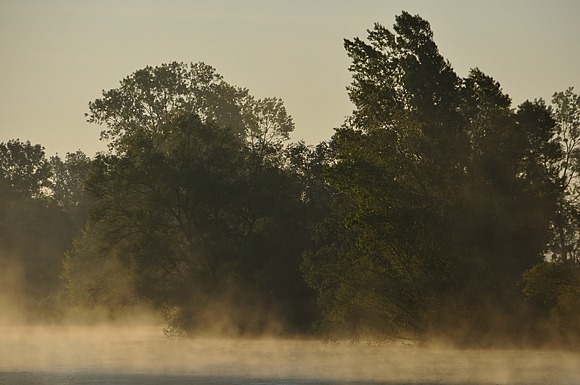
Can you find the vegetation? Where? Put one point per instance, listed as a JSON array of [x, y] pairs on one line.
[[41, 208], [437, 208], [445, 196], [195, 205]]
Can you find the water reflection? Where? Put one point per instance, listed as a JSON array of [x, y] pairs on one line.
[[59, 355]]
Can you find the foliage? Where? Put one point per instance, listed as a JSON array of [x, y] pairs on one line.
[[557, 287], [68, 184], [196, 203], [35, 231], [566, 236], [555, 283], [147, 99], [267, 125], [428, 212], [24, 168], [443, 195]]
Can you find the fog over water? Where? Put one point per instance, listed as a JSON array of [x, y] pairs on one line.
[[142, 355]]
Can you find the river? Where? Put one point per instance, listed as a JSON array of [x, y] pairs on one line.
[[142, 355]]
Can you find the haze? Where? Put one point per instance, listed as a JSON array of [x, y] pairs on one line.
[[57, 56], [237, 282], [100, 355]]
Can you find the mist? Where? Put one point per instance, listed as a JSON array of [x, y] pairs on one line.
[[433, 239], [142, 355], [89, 346]]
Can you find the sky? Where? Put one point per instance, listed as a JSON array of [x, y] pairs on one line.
[[57, 56]]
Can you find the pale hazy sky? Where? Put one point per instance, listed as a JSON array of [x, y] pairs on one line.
[[56, 56]]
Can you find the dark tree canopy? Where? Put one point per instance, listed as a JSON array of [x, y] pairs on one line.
[[437, 209], [196, 211], [444, 195], [147, 100], [35, 231], [24, 168]]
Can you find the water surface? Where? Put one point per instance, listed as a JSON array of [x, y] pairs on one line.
[[138, 355]]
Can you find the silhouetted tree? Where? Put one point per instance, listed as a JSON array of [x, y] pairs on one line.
[[554, 284], [195, 204], [24, 168], [34, 231], [68, 184], [443, 196]]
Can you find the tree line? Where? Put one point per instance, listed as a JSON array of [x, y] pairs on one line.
[[436, 209]]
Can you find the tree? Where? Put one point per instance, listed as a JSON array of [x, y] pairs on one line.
[[195, 202], [556, 287], [147, 99], [24, 168], [267, 125], [554, 284], [567, 116], [442, 195], [68, 184], [34, 231]]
